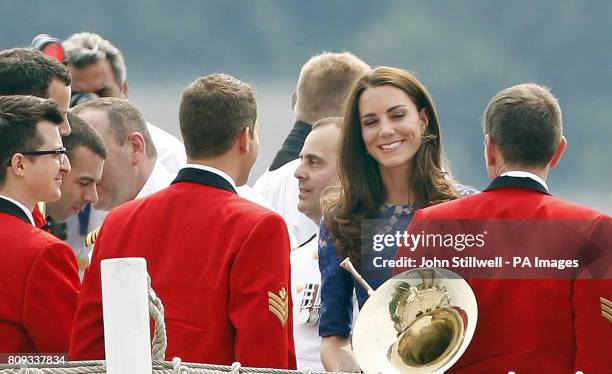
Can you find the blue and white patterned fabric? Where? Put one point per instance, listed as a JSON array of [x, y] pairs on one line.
[[337, 284]]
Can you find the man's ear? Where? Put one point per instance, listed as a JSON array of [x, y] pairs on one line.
[[17, 165], [490, 151], [124, 88], [558, 153], [244, 140], [137, 147]]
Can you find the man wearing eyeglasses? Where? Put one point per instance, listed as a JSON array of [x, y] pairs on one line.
[[39, 279], [26, 71]]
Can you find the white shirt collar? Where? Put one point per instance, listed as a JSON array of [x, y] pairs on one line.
[[160, 178], [213, 170], [21, 206], [525, 174]]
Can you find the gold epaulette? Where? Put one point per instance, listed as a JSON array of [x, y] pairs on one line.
[[90, 239]]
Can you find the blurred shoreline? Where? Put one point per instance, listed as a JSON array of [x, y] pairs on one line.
[[160, 105]]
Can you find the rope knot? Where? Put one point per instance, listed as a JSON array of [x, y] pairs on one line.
[[176, 365], [236, 368]]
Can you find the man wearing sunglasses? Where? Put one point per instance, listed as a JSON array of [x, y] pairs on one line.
[[39, 278]]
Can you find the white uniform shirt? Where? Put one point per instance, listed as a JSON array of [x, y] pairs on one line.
[[160, 178], [305, 270], [281, 189], [170, 150]]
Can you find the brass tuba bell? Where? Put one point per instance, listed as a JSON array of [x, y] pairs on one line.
[[420, 321]]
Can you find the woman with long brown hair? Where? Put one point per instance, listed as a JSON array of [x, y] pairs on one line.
[[390, 164]]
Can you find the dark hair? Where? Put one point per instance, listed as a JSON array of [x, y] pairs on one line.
[[214, 110], [525, 122], [124, 117], [362, 191], [82, 135], [19, 116], [26, 71]]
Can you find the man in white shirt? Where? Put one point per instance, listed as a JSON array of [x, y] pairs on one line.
[[132, 169], [322, 89], [86, 152], [317, 170]]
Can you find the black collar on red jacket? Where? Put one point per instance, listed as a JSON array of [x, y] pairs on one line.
[[204, 177], [507, 181], [12, 209], [292, 146]]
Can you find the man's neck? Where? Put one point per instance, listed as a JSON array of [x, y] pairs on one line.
[[228, 165], [18, 195], [540, 172], [144, 171]]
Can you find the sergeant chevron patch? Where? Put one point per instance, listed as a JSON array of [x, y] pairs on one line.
[[606, 308], [278, 305]]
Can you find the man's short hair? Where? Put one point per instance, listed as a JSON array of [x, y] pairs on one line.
[[125, 118], [19, 116], [325, 83], [82, 135], [214, 110], [86, 48], [525, 122], [26, 71]]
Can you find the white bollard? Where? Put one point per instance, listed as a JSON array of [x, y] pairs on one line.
[[127, 338]]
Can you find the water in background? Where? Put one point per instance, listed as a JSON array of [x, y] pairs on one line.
[[160, 105]]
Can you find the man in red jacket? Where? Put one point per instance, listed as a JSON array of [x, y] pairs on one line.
[[219, 263], [26, 71], [39, 280], [551, 313]]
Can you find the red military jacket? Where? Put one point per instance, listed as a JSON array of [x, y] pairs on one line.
[[534, 325], [219, 263], [39, 284]]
